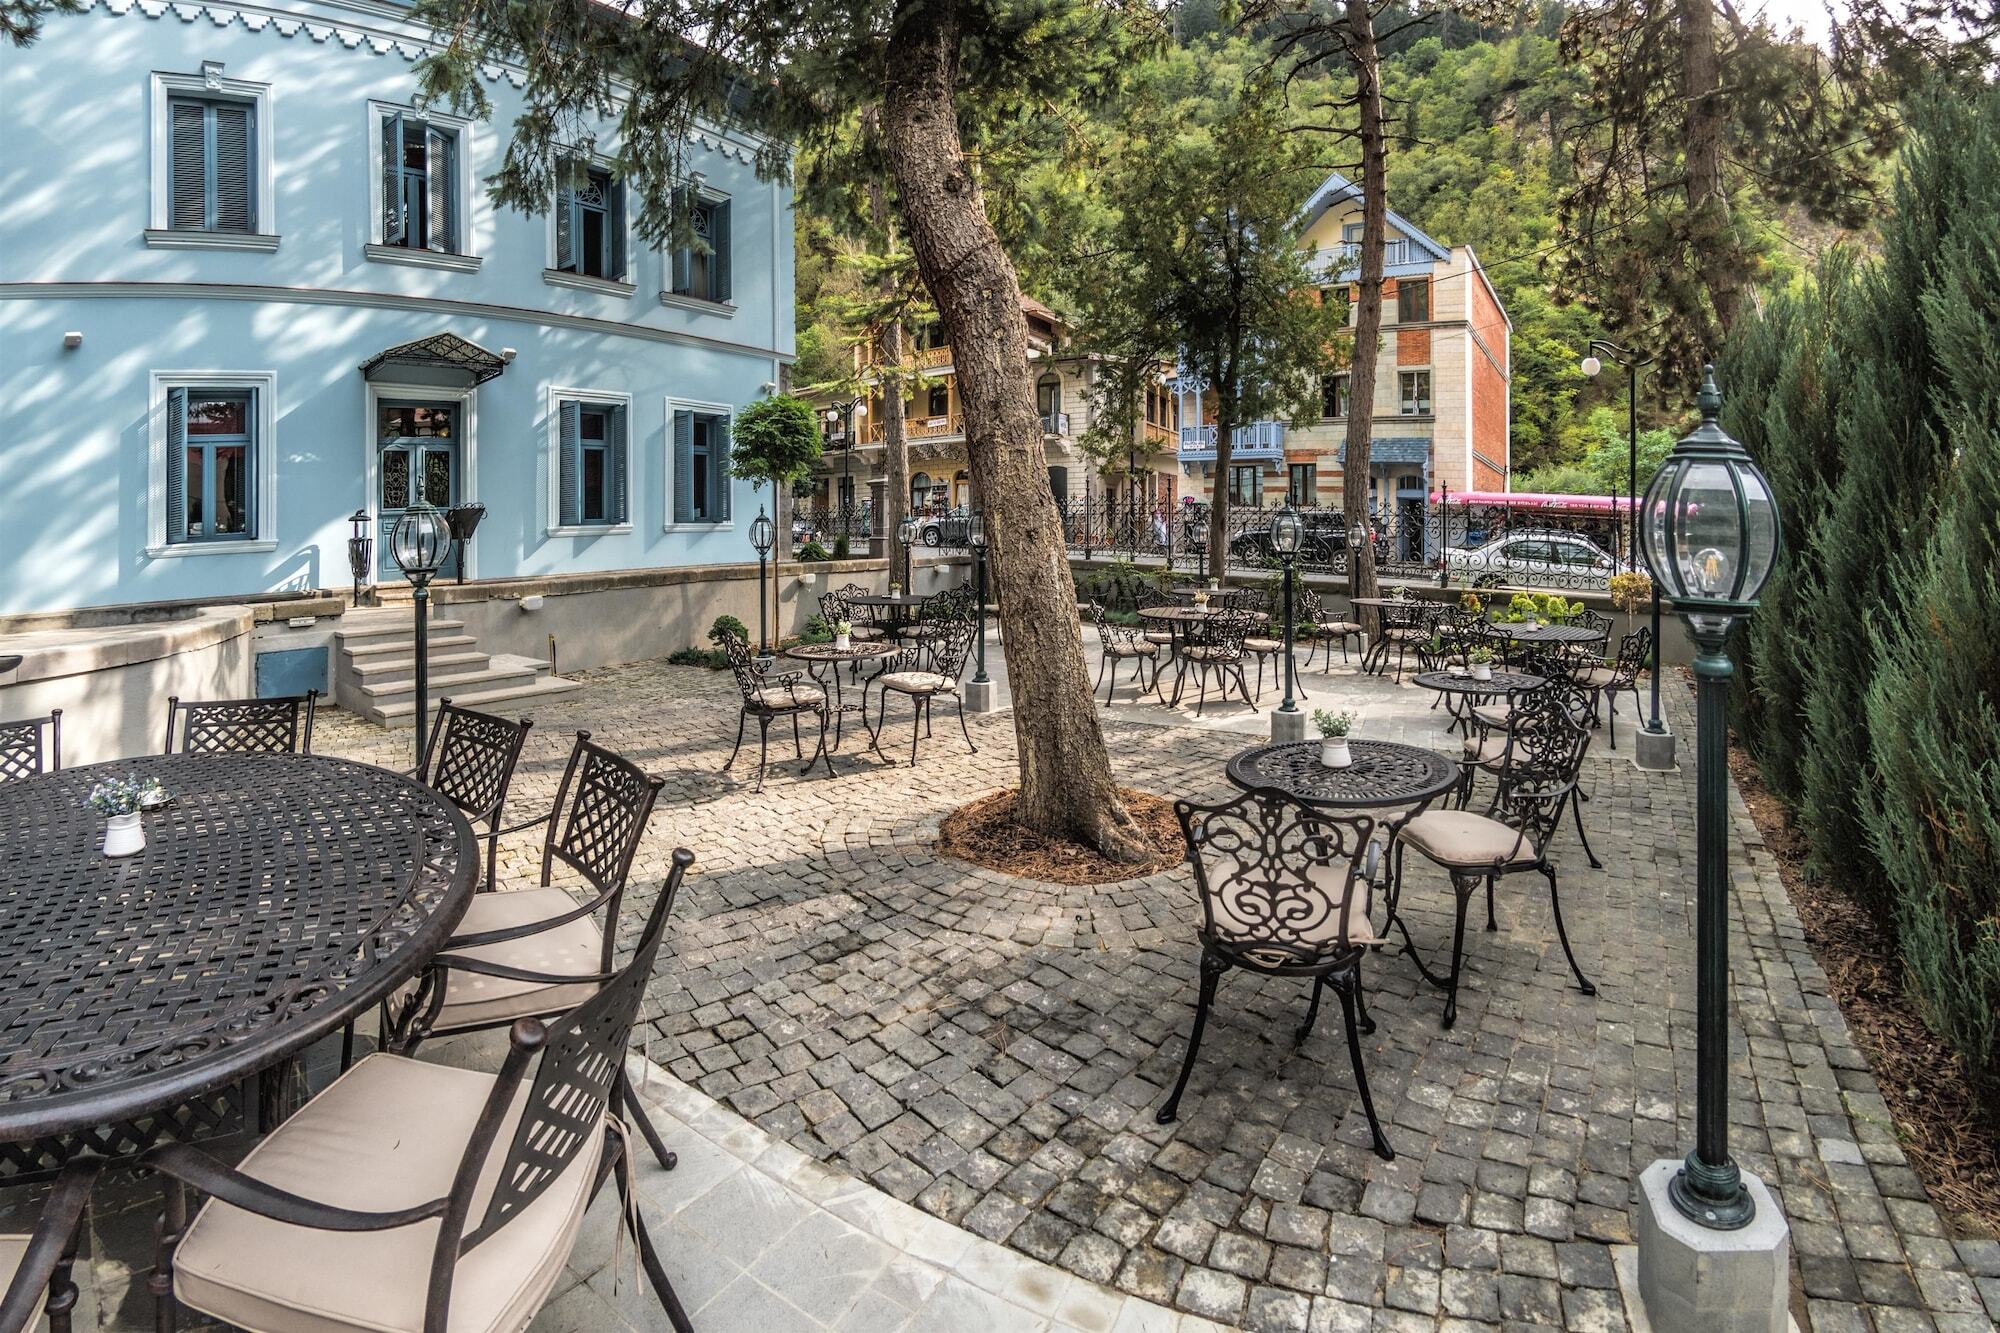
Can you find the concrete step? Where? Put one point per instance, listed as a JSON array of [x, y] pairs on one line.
[[374, 626], [496, 673], [374, 668], [403, 712], [369, 649]]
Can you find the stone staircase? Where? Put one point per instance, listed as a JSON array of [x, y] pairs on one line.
[[375, 667]]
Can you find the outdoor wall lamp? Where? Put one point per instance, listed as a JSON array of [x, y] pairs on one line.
[[360, 552]]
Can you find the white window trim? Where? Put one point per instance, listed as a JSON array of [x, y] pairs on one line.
[[724, 410], [681, 300], [467, 401], [559, 277], [552, 495], [376, 248], [210, 83], [264, 462], [1429, 410]]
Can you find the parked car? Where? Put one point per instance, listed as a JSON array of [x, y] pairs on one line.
[[1322, 541], [1532, 556], [951, 528]]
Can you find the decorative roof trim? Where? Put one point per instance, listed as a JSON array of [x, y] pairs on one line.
[[443, 351], [1336, 188]]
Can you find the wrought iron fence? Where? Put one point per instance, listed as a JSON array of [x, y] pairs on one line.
[[1471, 545], [827, 524]]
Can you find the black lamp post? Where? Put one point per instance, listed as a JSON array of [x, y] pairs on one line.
[[1710, 538], [1287, 529], [760, 537], [1601, 349], [420, 543], [976, 538], [360, 552], [845, 413], [906, 533]]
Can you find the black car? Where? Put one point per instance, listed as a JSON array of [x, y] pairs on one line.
[[1322, 542]]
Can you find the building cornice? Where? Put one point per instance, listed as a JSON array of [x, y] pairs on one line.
[[235, 291]]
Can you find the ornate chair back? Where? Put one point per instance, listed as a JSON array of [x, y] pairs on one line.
[[1634, 651], [833, 606], [598, 819], [243, 726], [574, 1080], [31, 745], [1109, 634], [471, 758], [1538, 772], [743, 665], [1306, 609], [948, 647], [1222, 634], [1281, 885]]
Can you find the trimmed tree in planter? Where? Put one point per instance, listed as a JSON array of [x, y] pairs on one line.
[[776, 440]]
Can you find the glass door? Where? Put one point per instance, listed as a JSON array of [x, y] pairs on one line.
[[417, 444]]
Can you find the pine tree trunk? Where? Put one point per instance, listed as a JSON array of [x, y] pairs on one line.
[[1066, 782], [1355, 466], [1708, 203], [1218, 497], [895, 435]]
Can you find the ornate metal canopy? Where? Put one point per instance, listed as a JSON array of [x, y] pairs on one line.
[[442, 358]]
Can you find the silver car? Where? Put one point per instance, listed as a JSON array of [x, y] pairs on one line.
[[1529, 557]]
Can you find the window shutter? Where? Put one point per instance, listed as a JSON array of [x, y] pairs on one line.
[[614, 222], [187, 187], [683, 277], [568, 510], [176, 465], [718, 468], [441, 189], [618, 447], [683, 467], [566, 229], [392, 181], [718, 267], [234, 155]]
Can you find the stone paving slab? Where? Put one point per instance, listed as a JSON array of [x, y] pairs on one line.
[[991, 1050]]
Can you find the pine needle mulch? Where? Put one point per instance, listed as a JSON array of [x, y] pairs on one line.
[[984, 833]]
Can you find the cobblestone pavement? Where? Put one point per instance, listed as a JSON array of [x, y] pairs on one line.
[[992, 1049]]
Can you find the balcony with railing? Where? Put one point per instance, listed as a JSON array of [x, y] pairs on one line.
[[1258, 440], [922, 428], [1055, 423], [1341, 261]]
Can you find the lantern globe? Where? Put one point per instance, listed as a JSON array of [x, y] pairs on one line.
[[976, 531], [760, 532], [1592, 365], [1287, 531], [420, 542]]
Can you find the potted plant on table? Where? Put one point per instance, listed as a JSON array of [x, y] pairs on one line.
[[120, 800], [843, 635], [1334, 729], [1481, 661]]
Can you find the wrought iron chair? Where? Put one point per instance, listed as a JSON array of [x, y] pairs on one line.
[[1213, 646], [923, 671], [938, 612], [1346, 629], [1608, 682], [409, 1195], [1284, 893], [1122, 644], [1543, 754], [1148, 597], [1404, 626], [470, 762], [1267, 643], [282, 725], [861, 617], [534, 953], [768, 697], [35, 1267], [31, 745]]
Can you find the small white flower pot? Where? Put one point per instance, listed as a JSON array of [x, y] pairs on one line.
[[1201, 601], [842, 642], [124, 835], [1482, 671], [1333, 752]]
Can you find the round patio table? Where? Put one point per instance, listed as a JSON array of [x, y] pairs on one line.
[[1452, 684], [1383, 774], [1181, 615], [278, 898], [1563, 634], [818, 655], [895, 606]]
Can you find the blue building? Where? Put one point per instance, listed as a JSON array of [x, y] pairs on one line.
[[248, 288]]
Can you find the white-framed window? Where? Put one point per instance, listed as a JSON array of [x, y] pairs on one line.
[[211, 163], [590, 462], [1414, 389], [1333, 393], [420, 188], [588, 234], [213, 462], [698, 463], [700, 272]]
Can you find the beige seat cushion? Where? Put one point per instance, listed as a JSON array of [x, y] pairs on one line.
[[914, 682], [1339, 627], [1209, 653], [783, 696], [1493, 715], [865, 633], [1236, 922], [1407, 636], [1487, 753], [387, 1134], [1461, 838], [1596, 677], [1264, 645], [574, 948], [1160, 636], [1141, 649], [13, 1249]]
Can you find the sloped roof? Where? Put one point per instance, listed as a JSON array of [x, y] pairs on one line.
[[1393, 449], [1337, 189], [441, 352]]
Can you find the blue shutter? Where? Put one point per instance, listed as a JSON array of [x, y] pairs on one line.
[[394, 221], [441, 189], [187, 178], [718, 264], [176, 465], [614, 222], [683, 467], [235, 154], [569, 509], [718, 468], [250, 420], [566, 228], [683, 277], [618, 450]]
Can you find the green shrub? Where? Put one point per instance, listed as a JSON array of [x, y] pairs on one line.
[[812, 550], [725, 626], [711, 658]]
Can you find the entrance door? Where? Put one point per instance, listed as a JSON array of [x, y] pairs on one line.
[[418, 448]]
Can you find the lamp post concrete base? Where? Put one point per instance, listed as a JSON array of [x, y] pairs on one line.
[[1693, 1279], [1653, 751], [979, 697], [1288, 726]]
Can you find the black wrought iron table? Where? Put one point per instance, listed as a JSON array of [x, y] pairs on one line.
[[819, 655], [278, 898], [1559, 634], [1384, 774], [1455, 684]]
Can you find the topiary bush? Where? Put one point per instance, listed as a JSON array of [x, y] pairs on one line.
[[725, 626]]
